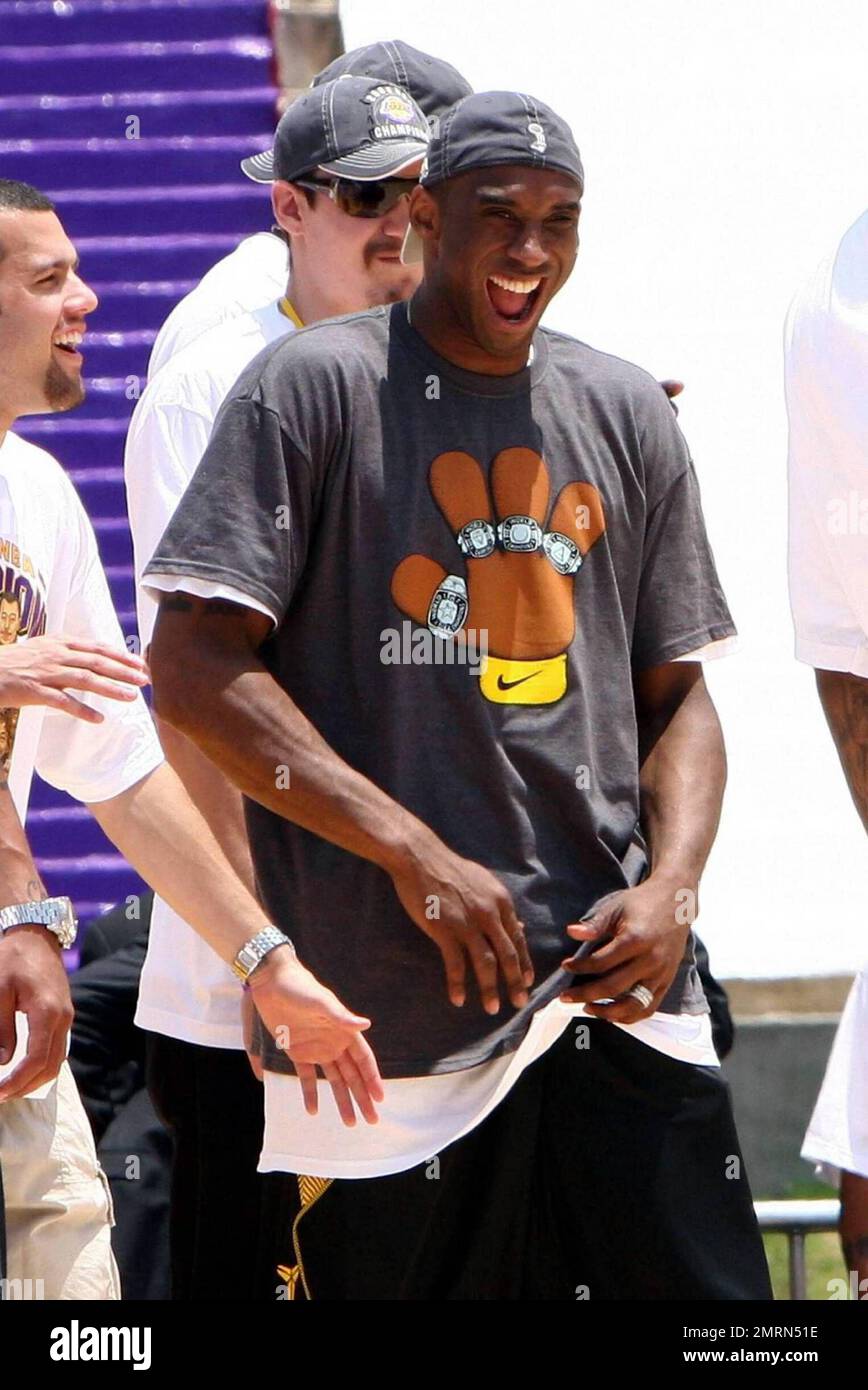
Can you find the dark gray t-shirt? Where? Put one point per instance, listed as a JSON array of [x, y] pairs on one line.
[[376, 499]]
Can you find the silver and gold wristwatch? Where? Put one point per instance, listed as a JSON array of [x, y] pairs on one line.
[[55, 914], [256, 949]]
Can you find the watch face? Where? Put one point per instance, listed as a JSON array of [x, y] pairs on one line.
[[61, 918], [247, 958]]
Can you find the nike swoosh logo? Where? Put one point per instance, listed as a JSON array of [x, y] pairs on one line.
[[509, 685]]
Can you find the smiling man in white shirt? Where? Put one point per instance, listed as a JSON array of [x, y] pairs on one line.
[[57, 1213], [253, 276]]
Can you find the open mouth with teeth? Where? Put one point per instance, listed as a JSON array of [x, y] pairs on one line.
[[68, 343], [513, 300]]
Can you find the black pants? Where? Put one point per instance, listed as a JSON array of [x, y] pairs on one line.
[[2, 1234], [227, 1221], [611, 1172]]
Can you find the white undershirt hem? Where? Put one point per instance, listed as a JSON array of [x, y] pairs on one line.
[[420, 1116]]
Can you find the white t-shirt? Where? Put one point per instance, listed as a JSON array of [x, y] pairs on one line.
[[420, 1116], [826, 359], [826, 366], [837, 1137], [186, 990], [49, 559], [250, 277]]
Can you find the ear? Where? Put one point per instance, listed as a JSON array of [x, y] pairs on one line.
[[425, 215], [289, 205]]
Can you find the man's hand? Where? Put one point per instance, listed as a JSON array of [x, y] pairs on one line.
[[42, 670], [248, 1022], [211, 684], [672, 389], [466, 912], [644, 946], [32, 982], [310, 1024]]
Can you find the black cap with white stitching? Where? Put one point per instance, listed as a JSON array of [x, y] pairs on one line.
[[490, 128], [432, 83], [353, 127]]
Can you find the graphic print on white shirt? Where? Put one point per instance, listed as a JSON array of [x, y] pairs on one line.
[[49, 561], [52, 583], [22, 608]]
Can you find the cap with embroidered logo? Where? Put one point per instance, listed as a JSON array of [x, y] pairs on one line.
[[432, 83], [491, 128], [352, 127]]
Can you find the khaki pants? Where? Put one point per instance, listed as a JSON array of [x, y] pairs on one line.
[[58, 1205]]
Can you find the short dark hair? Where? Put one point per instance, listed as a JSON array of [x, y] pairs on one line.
[[21, 197], [9, 596], [308, 194]]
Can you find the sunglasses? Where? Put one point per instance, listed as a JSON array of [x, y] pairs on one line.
[[359, 198]]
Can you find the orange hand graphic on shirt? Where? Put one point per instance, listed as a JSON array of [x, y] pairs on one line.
[[521, 563]]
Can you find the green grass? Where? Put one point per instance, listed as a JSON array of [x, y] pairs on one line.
[[822, 1251], [824, 1261]]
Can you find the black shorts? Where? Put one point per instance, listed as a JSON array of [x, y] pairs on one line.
[[226, 1219], [608, 1172]]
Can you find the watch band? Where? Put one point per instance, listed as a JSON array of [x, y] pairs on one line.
[[254, 951], [55, 914]]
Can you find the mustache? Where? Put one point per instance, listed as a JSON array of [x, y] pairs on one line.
[[382, 246]]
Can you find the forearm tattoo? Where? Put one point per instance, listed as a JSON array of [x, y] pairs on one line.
[[223, 608], [213, 607]]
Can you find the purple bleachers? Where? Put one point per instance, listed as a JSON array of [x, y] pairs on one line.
[[115, 354], [148, 216], [133, 304], [85, 67], [106, 21], [153, 258], [102, 115], [125, 211], [161, 160]]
